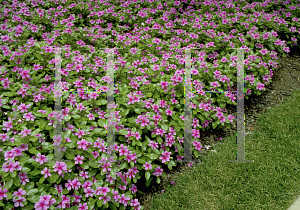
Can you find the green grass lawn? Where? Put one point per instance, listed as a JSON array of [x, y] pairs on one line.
[[272, 181]]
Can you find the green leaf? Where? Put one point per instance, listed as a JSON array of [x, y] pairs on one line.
[[149, 94], [67, 118], [32, 150], [164, 127], [99, 203], [134, 179], [123, 132], [48, 111], [141, 160], [84, 165], [34, 198], [147, 175], [53, 177], [123, 165], [70, 164], [14, 174], [53, 191], [156, 95], [70, 154], [67, 134], [42, 179], [158, 180], [144, 145], [139, 111], [8, 206], [139, 143], [50, 157], [91, 203], [17, 181], [29, 186], [97, 130], [102, 122], [170, 164], [65, 191], [152, 156], [33, 138], [25, 169], [47, 146], [36, 131], [159, 139], [9, 183], [93, 164], [148, 182], [75, 116], [32, 191]]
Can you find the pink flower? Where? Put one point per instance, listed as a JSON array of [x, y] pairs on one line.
[[29, 116], [147, 166], [82, 144], [158, 171], [260, 86], [91, 116], [60, 167], [23, 107], [83, 206], [3, 193], [25, 132], [81, 132], [80, 107], [57, 140], [8, 167], [20, 192], [137, 135], [18, 202], [78, 159], [169, 112], [4, 137], [46, 172], [44, 202], [41, 159], [76, 183], [105, 199]]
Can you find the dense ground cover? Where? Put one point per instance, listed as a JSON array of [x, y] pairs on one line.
[[81, 27], [220, 146]]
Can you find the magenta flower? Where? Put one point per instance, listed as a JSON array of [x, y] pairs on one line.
[[3, 193], [158, 171], [169, 112], [18, 202], [147, 166], [260, 86], [23, 107], [46, 172], [41, 159], [60, 167], [80, 107], [82, 144], [25, 132], [76, 183], [20, 192], [78, 159], [7, 126], [83, 206], [57, 140], [4, 137], [81, 132]]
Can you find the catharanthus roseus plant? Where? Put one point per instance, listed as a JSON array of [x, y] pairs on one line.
[[149, 90]]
